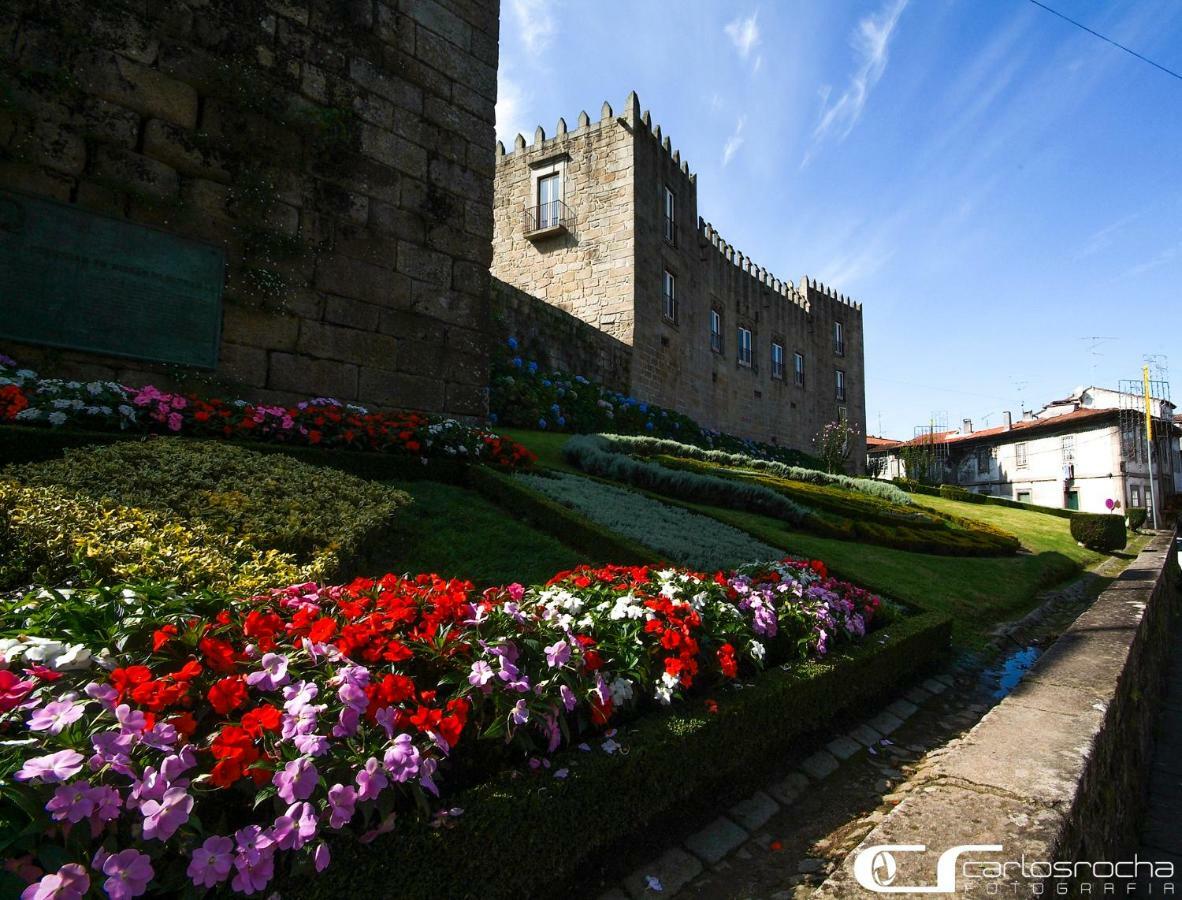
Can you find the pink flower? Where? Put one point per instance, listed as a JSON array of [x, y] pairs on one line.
[[320, 857], [557, 654], [13, 691], [516, 591], [55, 767], [107, 802], [402, 760], [128, 871], [297, 780], [175, 421], [371, 781], [71, 802], [211, 862], [342, 798], [70, 882]]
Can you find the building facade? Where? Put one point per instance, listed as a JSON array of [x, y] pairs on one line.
[[1082, 452], [602, 221], [339, 155]]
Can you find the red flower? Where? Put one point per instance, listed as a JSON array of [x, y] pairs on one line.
[[190, 670], [712, 707], [726, 659], [227, 694], [184, 724], [322, 630], [601, 711], [219, 655], [162, 636], [260, 719], [12, 401], [124, 680]]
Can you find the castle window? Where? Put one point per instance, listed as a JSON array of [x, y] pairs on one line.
[[715, 331], [777, 360], [744, 346], [1020, 455], [670, 296], [798, 369], [839, 383], [549, 198], [670, 216], [839, 339]]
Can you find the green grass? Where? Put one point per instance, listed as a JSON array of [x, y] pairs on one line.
[[458, 533], [546, 444]]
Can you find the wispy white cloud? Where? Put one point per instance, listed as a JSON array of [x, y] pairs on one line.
[[535, 23], [1168, 255], [744, 34], [511, 104], [734, 142], [1102, 239], [871, 43]]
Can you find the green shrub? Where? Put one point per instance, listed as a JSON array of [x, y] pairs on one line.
[[1137, 516], [1099, 531], [269, 501], [955, 492], [681, 536], [200, 513], [916, 487], [599, 455], [646, 446]]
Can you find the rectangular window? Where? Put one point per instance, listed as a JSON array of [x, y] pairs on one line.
[[549, 200], [798, 369], [984, 459], [744, 346], [839, 339], [715, 331], [670, 296], [1135, 495], [670, 216], [839, 383], [1023, 496], [1067, 445], [1020, 455], [777, 360]]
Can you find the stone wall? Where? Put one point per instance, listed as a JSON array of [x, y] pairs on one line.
[[1058, 769], [557, 340], [608, 270], [340, 152]]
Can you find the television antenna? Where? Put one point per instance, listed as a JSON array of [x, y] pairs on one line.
[[1094, 343], [1020, 386]]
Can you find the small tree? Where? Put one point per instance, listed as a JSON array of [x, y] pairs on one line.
[[919, 459], [876, 466], [834, 442]]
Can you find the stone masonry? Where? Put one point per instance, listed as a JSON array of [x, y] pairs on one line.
[[607, 267], [341, 151]]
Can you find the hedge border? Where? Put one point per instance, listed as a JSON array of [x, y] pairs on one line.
[[536, 509], [932, 491], [22, 443], [538, 837]]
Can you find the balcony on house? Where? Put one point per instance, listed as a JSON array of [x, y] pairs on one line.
[[546, 220]]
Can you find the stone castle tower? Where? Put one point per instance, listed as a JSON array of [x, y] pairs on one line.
[[602, 221]]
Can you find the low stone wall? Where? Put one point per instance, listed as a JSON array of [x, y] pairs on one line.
[[1055, 772], [558, 340]]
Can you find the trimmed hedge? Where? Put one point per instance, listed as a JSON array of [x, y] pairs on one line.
[[596, 543], [1137, 516], [598, 455], [916, 488], [613, 812], [1099, 531]]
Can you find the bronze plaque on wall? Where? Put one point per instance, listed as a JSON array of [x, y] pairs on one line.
[[71, 278]]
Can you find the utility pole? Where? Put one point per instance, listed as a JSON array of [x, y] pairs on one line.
[[1149, 443]]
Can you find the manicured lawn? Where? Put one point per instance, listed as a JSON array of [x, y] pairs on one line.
[[546, 444], [457, 533]]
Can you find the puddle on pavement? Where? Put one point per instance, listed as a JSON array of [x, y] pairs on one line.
[[999, 680]]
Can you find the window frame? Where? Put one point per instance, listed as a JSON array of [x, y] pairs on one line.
[[1067, 449], [745, 354], [715, 333], [798, 374], [984, 454], [669, 296], [1021, 455], [777, 364], [839, 338], [839, 390], [669, 214]]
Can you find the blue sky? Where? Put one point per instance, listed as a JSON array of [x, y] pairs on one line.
[[994, 184]]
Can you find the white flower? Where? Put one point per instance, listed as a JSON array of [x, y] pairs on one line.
[[75, 658], [757, 651], [57, 418], [664, 694], [621, 690]]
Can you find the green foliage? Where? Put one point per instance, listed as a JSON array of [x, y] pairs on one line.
[[602, 455], [646, 446], [683, 763], [1137, 516], [121, 505], [1099, 531], [955, 492], [834, 442], [916, 487], [680, 536]]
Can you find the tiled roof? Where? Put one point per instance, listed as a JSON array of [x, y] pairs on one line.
[[1080, 416], [873, 441]]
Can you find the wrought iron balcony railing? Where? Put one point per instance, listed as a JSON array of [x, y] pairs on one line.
[[552, 217]]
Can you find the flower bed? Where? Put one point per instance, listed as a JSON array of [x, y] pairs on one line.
[[222, 740], [521, 394], [26, 398], [682, 536]]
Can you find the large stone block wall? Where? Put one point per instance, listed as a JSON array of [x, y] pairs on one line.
[[557, 340], [587, 271], [340, 152], [617, 170]]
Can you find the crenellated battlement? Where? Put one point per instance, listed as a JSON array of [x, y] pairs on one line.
[[832, 293], [583, 124]]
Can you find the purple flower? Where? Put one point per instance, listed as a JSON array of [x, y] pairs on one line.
[[103, 693], [211, 862], [371, 780], [173, 767], [128, 873], [402, 760], [160, 736], [302, 721], [252, 841], [60, 766], [385, 718], [320, 857], [297, 780], [253, 871], [55, 717], [107, 802], [342, 798], [519, 714], [348, 720], [295, 827], [72, 802], [70, 882], [112, 748], [481, 674], [297, 696], [131, 721], [273, 675], [311, 744], [568, 697], [163, 817], [426, 771], [557, 654], [353, 697]]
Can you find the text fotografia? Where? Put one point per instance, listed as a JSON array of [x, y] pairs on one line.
[[876, 870]]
